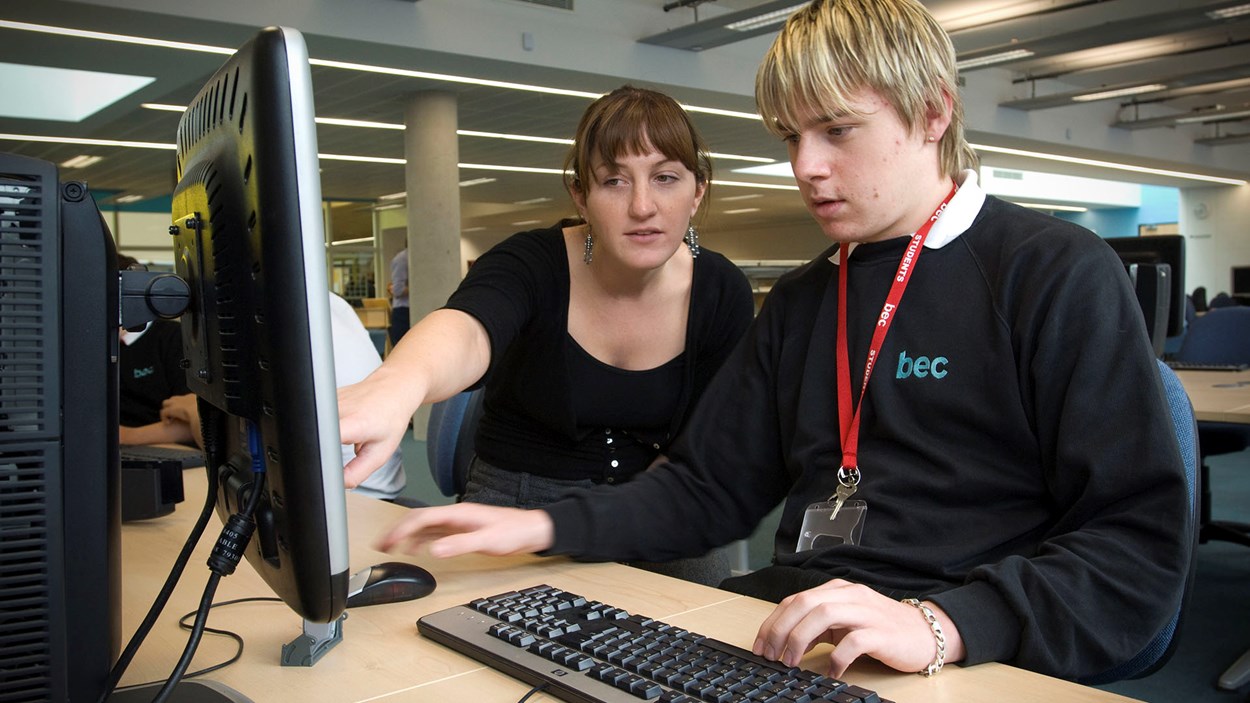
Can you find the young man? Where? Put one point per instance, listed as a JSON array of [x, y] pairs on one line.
[[1010, 471]]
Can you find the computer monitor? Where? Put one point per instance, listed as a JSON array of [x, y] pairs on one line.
[[1161, 249], [248, 240], [1240, 288]]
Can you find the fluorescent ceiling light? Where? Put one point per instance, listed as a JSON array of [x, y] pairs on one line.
[[522, 223], [1213, 117], [62, 94], [1108, 164], [345, 65], [128, 199], [1119, 92], [340, 122], [476, 182], [764, 20], [363, 159], [1063, 208], [357, 240], [993, 59], [515, 169], [472, 229], [739, 211], [164, 107], [393, 196], [747, 196], [1229, 12], [85, 141], [739, 157], [81, 161], [513, 137], [122, 38], [780, 169], [532, 201], [747, 184]]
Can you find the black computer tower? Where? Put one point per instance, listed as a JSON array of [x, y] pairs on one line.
[[60, 572]]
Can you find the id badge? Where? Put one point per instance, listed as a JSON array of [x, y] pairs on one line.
[[818, 531]]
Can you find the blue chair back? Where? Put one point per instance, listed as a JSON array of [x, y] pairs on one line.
[[450, 438], [1156, 654], [1221, 336]]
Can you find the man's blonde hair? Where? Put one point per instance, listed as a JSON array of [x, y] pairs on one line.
[[832, 49]]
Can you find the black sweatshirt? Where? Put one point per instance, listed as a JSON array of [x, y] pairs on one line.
[[1034, 490]]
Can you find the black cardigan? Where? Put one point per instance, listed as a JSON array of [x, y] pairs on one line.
[[519, 291]]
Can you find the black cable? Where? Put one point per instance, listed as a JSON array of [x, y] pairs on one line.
[[158, 605], [537, 689], [238, 639], [197, 631]]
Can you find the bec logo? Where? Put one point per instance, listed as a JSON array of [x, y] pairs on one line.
[[921, 366]]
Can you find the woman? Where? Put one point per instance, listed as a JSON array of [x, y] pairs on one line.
[[594, 338]]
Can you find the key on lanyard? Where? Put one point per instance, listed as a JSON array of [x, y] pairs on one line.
[[848, 482]]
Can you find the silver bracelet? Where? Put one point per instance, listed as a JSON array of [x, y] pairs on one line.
[[938, 636]]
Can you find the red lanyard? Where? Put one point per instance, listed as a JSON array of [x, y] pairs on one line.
[[848, 421]]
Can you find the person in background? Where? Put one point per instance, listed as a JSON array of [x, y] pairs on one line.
[[149, 374], [982, 469], [355, 356], [594, 338], [398, 290]]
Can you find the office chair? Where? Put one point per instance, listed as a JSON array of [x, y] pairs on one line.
[[1156, 654], [1199, 299], [449, 440], [1221, 336], [1221, 300]]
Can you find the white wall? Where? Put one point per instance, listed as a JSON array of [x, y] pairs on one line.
[[1216, 225]]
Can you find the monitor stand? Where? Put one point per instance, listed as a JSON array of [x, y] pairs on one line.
[[185, 692]]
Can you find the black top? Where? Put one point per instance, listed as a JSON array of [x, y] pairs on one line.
[[519, 291], [1033, 488], [149, 371]]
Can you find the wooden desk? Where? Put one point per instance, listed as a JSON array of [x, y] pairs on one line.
[[1218, 396], [381, 656]]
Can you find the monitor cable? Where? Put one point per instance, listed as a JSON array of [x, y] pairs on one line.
[[226, 555], [158, 605]]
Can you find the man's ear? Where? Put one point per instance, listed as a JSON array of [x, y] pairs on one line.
[[938, 117]]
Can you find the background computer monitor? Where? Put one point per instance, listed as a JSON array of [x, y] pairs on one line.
[[1161, 249], [249, 241], [1240, 283]]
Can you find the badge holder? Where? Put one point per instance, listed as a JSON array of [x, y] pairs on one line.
[[845, 527]]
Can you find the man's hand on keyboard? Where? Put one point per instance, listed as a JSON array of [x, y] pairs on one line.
[[857, 620], [464, 528]]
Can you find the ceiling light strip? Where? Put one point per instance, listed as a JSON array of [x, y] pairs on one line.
[[1108, 164], [1119, 92], [345, 65], [84, 140], [993, 59], [1056, 208], [121, 38], [748, 184]]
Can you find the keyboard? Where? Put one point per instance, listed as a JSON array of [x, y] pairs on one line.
[[146, 453], [591, 652], [1204, 366]]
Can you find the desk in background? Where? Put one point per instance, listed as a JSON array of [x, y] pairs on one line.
[[381, 656], [1218, 396]]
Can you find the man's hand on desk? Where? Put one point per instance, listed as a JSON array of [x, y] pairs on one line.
[[465, 528], [857, 620]]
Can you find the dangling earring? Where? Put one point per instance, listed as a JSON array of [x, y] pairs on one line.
[[590, 246], [692, 241]]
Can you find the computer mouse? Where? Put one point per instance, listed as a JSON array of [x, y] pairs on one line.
[[388, 582]]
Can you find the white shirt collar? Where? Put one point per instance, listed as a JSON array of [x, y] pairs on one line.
[[129, 338], [958, 217]]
